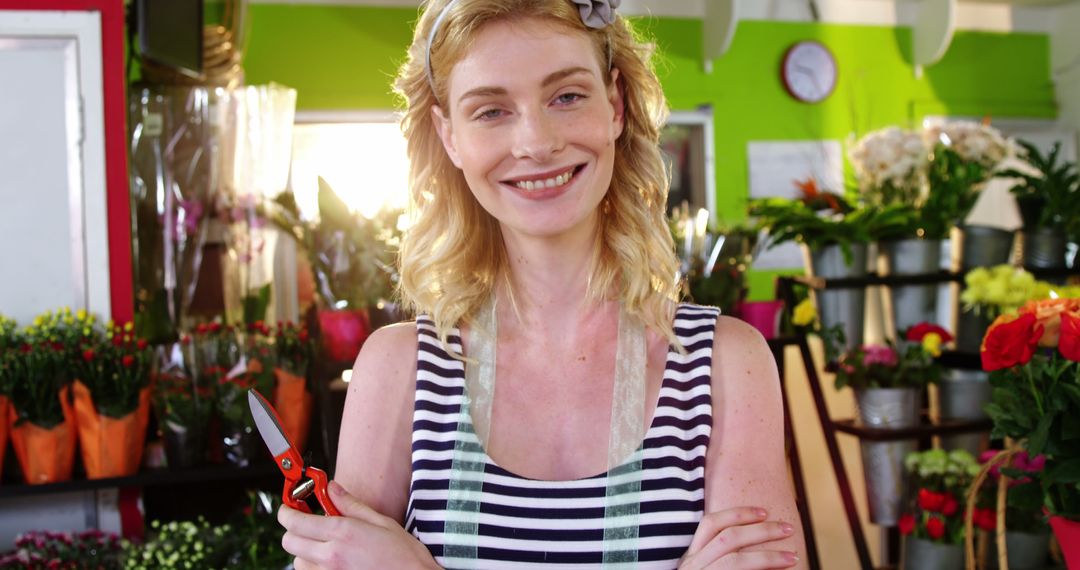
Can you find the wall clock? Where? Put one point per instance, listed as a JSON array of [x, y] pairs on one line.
[[808, 71]]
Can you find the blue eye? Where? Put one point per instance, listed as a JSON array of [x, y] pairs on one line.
[[487, 114], [569, 98]]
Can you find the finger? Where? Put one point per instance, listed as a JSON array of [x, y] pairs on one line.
[[302, 548], [759, 560], [713, 523], [353, 507], [736, 538], [315, 527]]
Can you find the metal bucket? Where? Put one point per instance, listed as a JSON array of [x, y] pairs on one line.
[[1046, 248], [922, 554], [962, 396], [912, 304], [844, 307], [1024, 550], [985, 246], [883, 461], [970, 328]]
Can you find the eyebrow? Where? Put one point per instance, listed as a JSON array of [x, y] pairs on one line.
[[551, 78]]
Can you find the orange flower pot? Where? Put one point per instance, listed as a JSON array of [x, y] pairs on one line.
[[45, 455], [4, 404], [293, 403], [111, 447]]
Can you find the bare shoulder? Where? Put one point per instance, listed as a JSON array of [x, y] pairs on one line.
[[743, 363], [374, 447]]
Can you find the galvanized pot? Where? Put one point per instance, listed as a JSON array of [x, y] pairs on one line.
[[1024, 550], [883, 461], [961, 396], [985, 246], [844, 307], [921, 554], [912, 304], [1046, 248], [970, 328]]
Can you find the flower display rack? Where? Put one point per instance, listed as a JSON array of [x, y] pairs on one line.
[[830, 427]]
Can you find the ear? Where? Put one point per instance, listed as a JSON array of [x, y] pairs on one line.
[[446, 134], [615, 97]]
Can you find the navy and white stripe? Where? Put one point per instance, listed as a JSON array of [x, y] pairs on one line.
[[527, 523]]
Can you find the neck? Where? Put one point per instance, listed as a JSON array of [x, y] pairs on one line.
[[549, 278]]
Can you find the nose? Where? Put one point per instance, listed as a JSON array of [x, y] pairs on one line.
[[537, 136]]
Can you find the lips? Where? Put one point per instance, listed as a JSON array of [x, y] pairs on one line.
[[545, 180]]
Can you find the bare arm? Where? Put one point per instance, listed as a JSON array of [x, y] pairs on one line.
[[746, 464], [374, 448]]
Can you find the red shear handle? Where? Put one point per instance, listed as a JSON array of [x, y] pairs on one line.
[[321, 491]]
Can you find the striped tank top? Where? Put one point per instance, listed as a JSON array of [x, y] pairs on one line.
[[528, 523]]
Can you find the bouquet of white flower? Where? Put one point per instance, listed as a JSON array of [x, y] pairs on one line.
[[890, 165], [973, 142]]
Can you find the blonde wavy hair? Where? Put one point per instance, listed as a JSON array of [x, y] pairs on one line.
[[452, 256]]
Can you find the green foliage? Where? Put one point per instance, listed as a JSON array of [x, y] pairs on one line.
[[1051, 197], [352, 257], [953, 191], [1038, 401], [255, 303], [86, 550]]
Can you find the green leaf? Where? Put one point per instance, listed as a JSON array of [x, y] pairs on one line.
[[255, 304], [1037, 441], [1065, 472]]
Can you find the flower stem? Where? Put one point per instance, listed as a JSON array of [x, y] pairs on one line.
[[1034, 392]]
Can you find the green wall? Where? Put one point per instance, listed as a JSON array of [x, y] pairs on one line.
[[343, 57]]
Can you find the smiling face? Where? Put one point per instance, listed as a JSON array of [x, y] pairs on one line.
[[532, 125]]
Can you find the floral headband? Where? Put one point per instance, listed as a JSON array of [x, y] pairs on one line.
[[596, 14]]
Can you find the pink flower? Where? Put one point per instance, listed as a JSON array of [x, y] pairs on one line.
[[877, 354]]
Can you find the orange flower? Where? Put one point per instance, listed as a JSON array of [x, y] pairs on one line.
[[1009, 341], [1069, 346], [1048, 314]]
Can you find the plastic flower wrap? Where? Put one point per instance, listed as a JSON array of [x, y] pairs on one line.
[[890, 165], [1033, 356], [940, 479]]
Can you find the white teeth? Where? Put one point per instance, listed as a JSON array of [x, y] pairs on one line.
[[530, 185]]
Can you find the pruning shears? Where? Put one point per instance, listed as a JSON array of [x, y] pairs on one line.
[[300, 480]]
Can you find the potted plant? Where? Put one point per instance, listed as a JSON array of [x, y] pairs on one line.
[[964, 155], [891, 170], [292, 355], [1027, 536], [834, 234], [352, 258], [45, 549], [989, 292], [888, 383], [1048, 194], [183, 403], [933, 525], [42, 421], [9, 342], [112, 397], [1033, 356]]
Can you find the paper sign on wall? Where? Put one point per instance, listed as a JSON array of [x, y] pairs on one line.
[[775, 167]]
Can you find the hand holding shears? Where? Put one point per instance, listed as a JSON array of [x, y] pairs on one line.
[[300, 480]]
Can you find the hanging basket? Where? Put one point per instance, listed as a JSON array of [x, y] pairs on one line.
[[110, 447]]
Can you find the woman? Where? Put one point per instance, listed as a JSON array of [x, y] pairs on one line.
[[601, 423]]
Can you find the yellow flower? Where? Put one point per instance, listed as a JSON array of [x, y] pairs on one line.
[[804, 313], [931, 343], [38, 321], [81, 314], [129, 326], [86, 332]]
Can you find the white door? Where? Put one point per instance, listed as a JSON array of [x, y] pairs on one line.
[[53, 228]]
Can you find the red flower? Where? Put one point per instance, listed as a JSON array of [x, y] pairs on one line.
[[1069, 341], [215, 327], [141, 344], [128, 360], [88, 355], [117, 340], [26, 348], [917, 332], [185, 339], [935, 527], [906, 524], [950, 507], [931, 501], [1010, 341], [985, 519], [200, 329]]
